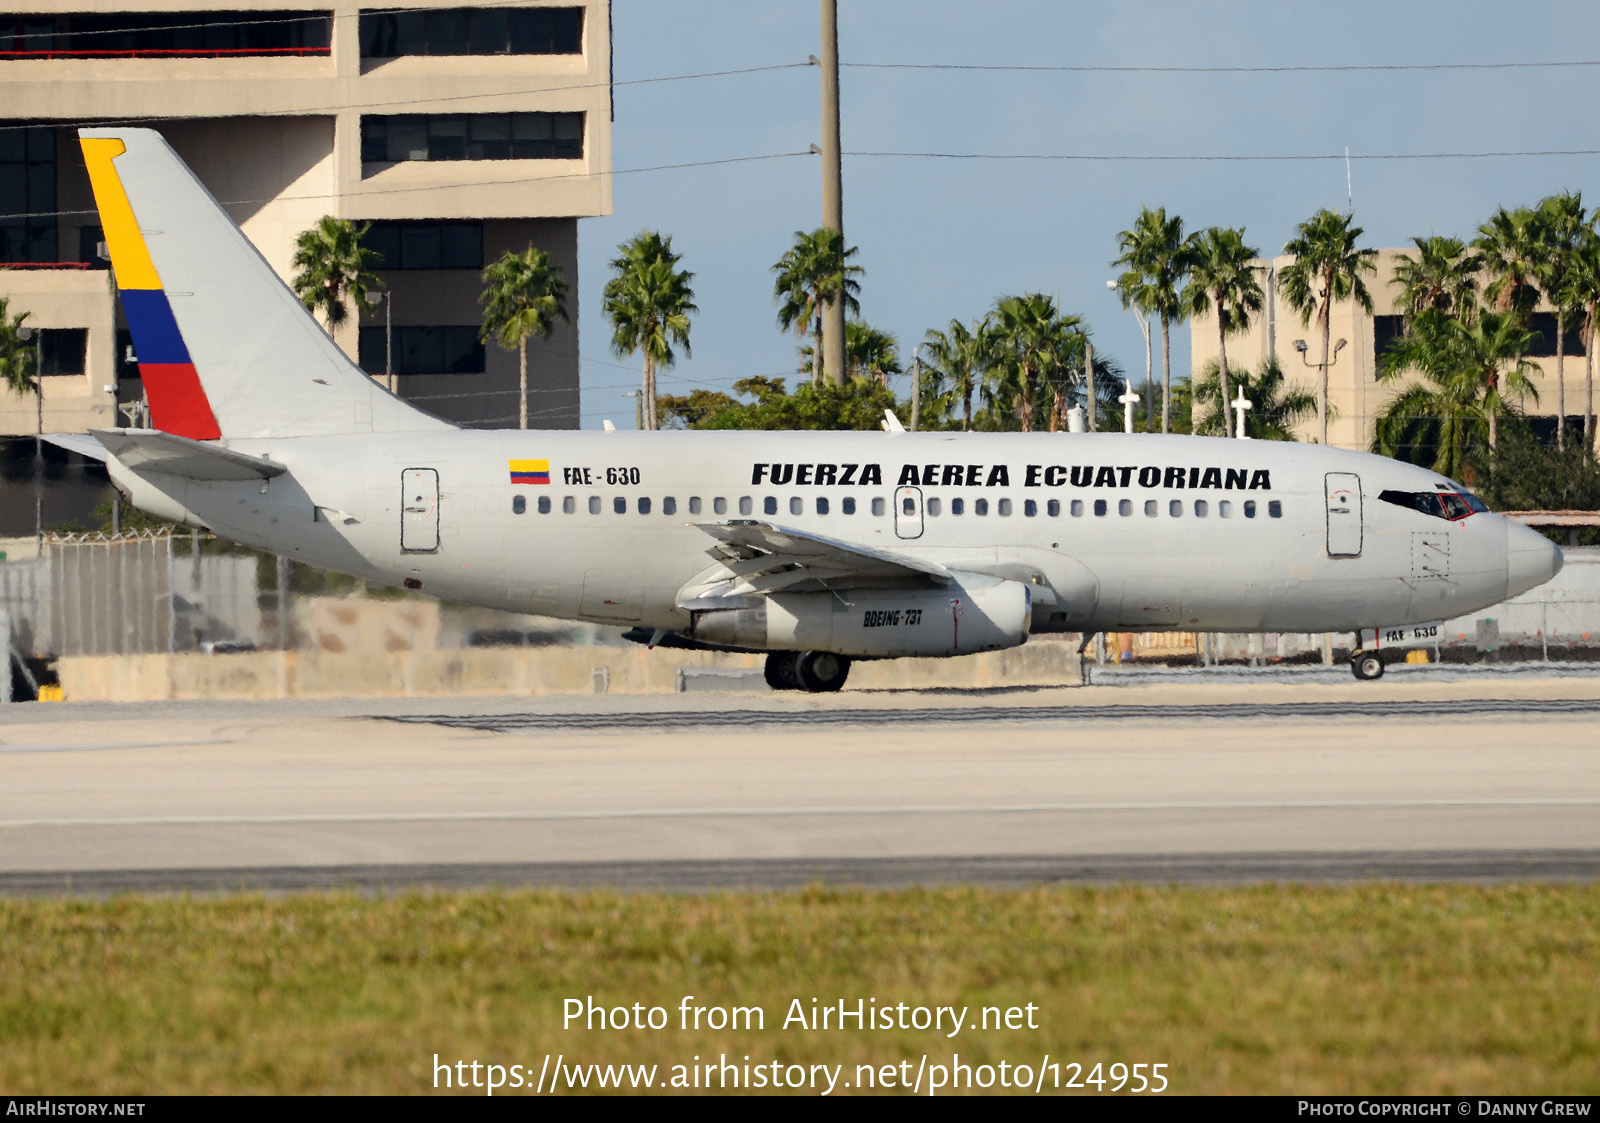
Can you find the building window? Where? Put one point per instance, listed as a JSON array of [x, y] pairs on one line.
[[426, 245], [423, 350], [1543, 326], [28, 188], [62, 350], [478, 136], [166, 34], [472, 31]]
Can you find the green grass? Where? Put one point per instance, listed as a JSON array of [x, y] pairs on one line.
[[1329, 990]]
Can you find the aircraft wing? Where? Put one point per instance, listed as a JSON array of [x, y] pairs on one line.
[[759, 557], [150, 450]]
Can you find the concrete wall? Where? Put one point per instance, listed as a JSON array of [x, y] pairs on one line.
[[505, 671]]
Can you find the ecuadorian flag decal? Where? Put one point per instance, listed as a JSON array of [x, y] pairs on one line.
[[530, 471]]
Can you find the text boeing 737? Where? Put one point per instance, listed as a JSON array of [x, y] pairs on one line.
[[815, 547]]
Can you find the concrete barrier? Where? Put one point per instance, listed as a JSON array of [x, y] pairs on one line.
[[505, 671]]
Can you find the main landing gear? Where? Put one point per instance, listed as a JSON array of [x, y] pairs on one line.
[[1366, 665], [817, 672]]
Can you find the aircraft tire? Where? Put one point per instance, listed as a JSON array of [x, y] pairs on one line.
[[781, 670], [822, 672], [1366, 665]]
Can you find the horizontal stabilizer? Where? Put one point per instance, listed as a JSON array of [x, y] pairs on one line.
[[81, 443], [150, 450]]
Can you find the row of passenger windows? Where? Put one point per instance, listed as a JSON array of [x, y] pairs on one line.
[[1176, 508]]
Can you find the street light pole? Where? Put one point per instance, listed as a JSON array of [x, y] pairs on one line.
[[1322, 369], [26, 334]]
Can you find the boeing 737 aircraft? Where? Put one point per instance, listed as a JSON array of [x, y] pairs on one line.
[[817, 548]]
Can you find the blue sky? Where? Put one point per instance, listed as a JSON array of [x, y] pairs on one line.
[[941, 239]]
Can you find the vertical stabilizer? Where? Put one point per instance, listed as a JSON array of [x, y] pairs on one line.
[[225, 349]]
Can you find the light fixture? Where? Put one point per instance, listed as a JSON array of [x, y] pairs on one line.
[[1300, 346], [1112, 285], [1338, 345]]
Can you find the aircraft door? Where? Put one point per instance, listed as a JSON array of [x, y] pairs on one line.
[[1344, 515], [419, 511], [908, 512]]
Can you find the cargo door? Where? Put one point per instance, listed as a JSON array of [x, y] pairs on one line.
[[1344, 515], [908, 512], [419, 511]]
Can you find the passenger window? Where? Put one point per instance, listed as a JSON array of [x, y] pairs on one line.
[[980, 506], [1099, 508], [544, 504], [594, 504], [1077, 509], [1029, 508], [822, 504], [747, 505], [1224, 508], [719, 506], [932, 506], [878, 507], [519, 504], [1249, 508], [619, 505], [958, 506], [1053, 508], [908, 506], [644, 505], [1274, 509], [1004, 507], [669, 506], [1152, 508], [1125, 507], [769, 505], [1175, 508], [848, 505], [694, 504], [569, 505], [796, 506], [1200, 508]]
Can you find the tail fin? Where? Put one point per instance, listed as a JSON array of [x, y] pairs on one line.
[[224, 348]]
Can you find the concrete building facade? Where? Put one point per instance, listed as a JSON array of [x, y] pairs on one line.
[[457, 132], [1356, 394]]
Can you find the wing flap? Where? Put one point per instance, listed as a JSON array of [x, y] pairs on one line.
[[759, 558], [150, 450]]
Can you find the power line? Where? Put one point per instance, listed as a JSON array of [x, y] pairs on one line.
[[1356, 68], [1215, 158]]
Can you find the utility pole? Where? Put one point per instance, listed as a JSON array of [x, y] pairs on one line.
[[916, 387], [832, 188]]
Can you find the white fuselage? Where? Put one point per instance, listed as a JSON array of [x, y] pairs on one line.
[[1111, 530]]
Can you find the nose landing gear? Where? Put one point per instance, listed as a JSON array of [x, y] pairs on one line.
[[816, 672]]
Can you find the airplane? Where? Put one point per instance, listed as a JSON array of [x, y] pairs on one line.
[[815, 548]]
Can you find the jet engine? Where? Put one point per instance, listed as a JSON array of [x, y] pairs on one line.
[[960, 619]]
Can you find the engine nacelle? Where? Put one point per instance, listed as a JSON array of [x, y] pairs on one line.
[[977, 615]]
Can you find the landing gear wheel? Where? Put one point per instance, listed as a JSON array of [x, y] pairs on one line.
[[780, 670], [1366, 665], [822, 671]]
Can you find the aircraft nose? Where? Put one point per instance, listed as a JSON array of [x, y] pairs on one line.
[[1531, 560]]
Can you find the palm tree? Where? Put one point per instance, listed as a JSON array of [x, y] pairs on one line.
[[1465, 369], [649, 300], [17, 363], [1155, 259], [811, 273], [1512, 245], [334, 268], [1562, 228], [1026, 331], [1327, 267], [1222, 279], [869, 353], [1443, 276], [958, 356], [1276, 407], [525, 296], [1586, 292]]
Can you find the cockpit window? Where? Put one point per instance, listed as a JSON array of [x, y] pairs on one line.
[[1451, 505]]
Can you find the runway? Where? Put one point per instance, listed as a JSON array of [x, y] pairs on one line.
[[1193, 784]]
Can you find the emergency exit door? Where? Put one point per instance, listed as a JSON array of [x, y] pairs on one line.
[[1344, 515], [908, 512], [419, 511]]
